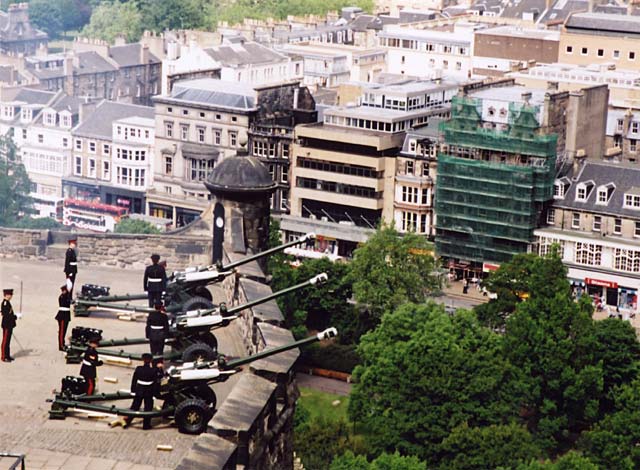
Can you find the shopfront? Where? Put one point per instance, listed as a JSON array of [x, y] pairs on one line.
[[609, 290], [134, 201], [74, 189]]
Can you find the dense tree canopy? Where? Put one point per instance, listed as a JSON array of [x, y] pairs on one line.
[[14, 185], [425, 373], [110, 20], [390, 269], [135, 226], [349, 461]]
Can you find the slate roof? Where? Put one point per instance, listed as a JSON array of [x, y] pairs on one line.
[[5, 74], [611, 8], [240, 175], [212, 92], [561, 10], [87, 63], [244, 54], [128, 55], [625, 177], [517, 8], [99, 123], [604, 23], [493, 6]]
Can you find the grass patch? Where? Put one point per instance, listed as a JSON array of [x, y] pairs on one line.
[[320, 404]]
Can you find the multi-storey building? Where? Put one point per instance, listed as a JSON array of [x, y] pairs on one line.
[[344, 172], [18, 107], [127, 73], [422, 52], [623, 136], [112, 155], [45, 142], [17, 34], [595, 221], [497, 166], [204, 121], [236, 60], [413, 203], [600, 38]]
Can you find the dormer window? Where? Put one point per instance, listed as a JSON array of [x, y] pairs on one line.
[[604, 194], [25, 114], [49, 118], [632, 201], [583, 190], [560, 187], [65, 119]]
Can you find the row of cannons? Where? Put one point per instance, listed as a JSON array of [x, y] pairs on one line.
[[186, 391]]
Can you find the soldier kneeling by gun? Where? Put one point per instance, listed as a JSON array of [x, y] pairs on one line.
[[143, 386]]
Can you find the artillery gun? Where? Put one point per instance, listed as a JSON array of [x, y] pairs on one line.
[[186, 290], [190, 335], [186, 392]]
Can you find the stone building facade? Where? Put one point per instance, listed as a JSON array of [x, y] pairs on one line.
[[17, 35]]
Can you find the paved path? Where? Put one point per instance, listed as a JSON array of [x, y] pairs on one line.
[[78, 443], [323, 384]]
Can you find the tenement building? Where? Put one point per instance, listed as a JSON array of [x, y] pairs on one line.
[[112, 155], [595, 222], [344, 169], [203, 121], [17, 34]]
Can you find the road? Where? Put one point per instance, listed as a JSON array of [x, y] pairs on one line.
[[77, 443]]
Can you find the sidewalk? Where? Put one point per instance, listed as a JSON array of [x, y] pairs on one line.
[[454, 289]]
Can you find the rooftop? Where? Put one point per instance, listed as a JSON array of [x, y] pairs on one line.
[[129, 55], [510, 94], [99, 123], [604, 23], [508, 30], [246, 53], [212, 92]]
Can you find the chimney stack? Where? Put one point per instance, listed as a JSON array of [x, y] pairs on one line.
[[144, 54]]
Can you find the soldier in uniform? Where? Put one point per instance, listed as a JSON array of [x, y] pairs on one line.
[[8, 324], [157, 330], [63, 316], [143, 386], [155, 281], [89, 363], [71, 265]]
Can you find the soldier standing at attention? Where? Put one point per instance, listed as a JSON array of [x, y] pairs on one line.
[[155, 281], [8, 324], [71, 264], [63, 316], [157, 330], [89, 363], [143, 386]]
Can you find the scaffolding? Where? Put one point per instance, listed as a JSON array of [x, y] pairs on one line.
[[491, 184]]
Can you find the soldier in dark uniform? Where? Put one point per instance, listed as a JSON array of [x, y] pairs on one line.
[[155, 281], [157, 330], [89, 363], [8, 324], [143, 385], [63, 316], [158, 366], [71, 264]]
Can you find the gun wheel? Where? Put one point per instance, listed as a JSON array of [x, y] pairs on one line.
[[197, 303], [192, 416], [198, 352]]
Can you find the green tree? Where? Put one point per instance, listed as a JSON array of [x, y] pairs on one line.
[[552, 340], [613, 442], [570, 461], [319, 440], [110, 20], [350, 461], [390, 269], [423, 374], [160, 15], [135, 226], [37, 223], [47, 16], [14, 184], [492, 446], [618, 350]]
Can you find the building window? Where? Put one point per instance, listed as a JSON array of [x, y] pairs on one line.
[[284, 201], [217, 136], [545, 244], [169, 109], [600, 52], [617, 226], [168, 129], [285, 151], [569, 49], [633, 144], [410, 194], [636, 231], [575, 221], [584, 51], [551, 216], [168, 164], [199, 169], [408, 169], [284, 176], [409, 222], [92, 168], [65, 142], [233, 139], [597, 223], [201, 133], [218, 117], [24, 133], [558, 191], [92, 147], [627, 260], [588, 253], [168, 189], [185, 112], [138, 177], [234, 118], [632, 55], [616, 54], [632, 201], [425, 196], [635, 127], [106, 149], [184, 132], [106, 173], [123, 175], [77, 167]]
